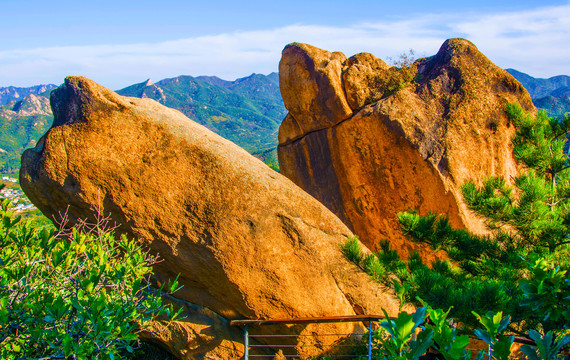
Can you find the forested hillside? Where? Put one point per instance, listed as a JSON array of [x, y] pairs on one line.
[[247, 111], [552, 94]]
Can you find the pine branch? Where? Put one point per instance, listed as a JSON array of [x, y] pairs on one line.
[[558, 202], [562, 243]]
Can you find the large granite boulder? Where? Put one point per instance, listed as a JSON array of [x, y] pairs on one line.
[[246, 241], [416, 134], [315, 93]]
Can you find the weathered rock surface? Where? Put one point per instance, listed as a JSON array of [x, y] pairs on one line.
[[247, 242], [313, 78], [408, 145], [363, 79]]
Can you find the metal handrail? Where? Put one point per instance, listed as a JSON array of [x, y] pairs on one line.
[[313, 320], [317, 320]]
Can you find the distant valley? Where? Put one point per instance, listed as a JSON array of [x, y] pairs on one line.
[[22, 123], [247, 111]]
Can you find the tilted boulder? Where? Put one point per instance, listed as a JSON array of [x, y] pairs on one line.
[[417, 133], [246, 241]]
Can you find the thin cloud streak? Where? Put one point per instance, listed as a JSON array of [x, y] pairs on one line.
[[535, 41]]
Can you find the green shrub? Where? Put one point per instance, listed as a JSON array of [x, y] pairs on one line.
[[72, 295], [547, 295], [402, 73], [494, 325], [548, 347], [352, 249], [400, 343], [374, 268]]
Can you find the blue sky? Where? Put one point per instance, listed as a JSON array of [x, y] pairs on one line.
[[118, 43]]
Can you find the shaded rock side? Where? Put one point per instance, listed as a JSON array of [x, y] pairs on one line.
[[246, 241], [416, 135]]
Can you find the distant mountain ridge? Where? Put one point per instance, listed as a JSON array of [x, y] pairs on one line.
[[12, 93], [539, 88], [22, 123], [28, 106], [552, 94]]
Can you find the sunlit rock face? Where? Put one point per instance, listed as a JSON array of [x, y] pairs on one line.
[[369, 140], [246, 241]]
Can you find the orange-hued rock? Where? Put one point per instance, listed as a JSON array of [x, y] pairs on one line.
[[246, 241], [311, 86], [409, 145], [364, 79]]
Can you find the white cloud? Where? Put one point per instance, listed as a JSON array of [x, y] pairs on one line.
[[533, 41]]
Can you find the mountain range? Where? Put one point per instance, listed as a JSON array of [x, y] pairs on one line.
[[552, 94], [12, 93], [247, 111]]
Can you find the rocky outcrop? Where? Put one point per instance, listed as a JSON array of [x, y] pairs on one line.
[[315, 94], [416, 134], [246, 241], [11, 93], [28, 106]]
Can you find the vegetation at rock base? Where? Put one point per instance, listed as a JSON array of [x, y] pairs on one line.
[[520, 270], [80, 293]]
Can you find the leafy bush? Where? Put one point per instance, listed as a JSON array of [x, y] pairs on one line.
[[547, 295], [399, 344], [493, 334], [409, 336], [547, 346], [72, 294], [447, 340]]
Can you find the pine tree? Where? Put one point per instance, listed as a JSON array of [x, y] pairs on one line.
[[528, 250], [521, 268], [539, 208]]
